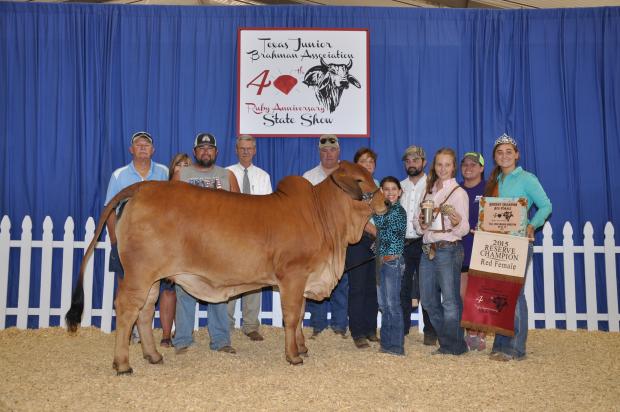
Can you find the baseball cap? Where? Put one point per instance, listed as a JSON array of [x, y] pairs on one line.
[[475, 156], [203, 139], [328, 140], [415, 151], [144, 135]]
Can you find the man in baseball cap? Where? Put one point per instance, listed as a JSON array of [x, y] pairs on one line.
[[203, 139], [414, 187]]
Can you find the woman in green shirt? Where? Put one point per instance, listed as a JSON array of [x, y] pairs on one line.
[[509, 180]]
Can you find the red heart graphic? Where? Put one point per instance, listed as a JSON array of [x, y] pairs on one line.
[[285, 83]]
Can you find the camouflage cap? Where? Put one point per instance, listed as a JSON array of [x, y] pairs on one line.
[[415, 152]]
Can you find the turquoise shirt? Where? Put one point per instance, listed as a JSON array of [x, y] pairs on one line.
[[391, 229], [520, 183]]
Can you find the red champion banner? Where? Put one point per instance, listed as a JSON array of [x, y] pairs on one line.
[[496, 276]]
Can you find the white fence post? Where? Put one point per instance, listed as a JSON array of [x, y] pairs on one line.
[[5, 248], [24, 274], [67, 270], [610, 278], [276, 309], [46, 272], [107, 303], [548, 276], [88, 275], [528, 291], [590, 276], [569, 277]]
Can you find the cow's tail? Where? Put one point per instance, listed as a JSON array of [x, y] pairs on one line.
[[74, 314]]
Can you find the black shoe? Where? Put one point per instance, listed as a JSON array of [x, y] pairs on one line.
[[341, 333], [430, 340]]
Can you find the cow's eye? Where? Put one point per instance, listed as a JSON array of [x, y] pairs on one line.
[[359, 180]]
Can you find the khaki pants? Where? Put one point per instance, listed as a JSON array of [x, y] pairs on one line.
[[250, 308]]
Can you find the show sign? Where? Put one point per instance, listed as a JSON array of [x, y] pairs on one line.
[[303, 82], [495, 278]]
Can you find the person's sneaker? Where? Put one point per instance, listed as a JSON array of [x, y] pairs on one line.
[[482, 344], [135, 336], [227, 349], [183, 350], [439, 351], [500, 357], [254, 336], [361, 343], [372, 338], [430, 340], [472, 342]]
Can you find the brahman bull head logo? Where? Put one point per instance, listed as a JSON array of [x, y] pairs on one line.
[[329, 80]]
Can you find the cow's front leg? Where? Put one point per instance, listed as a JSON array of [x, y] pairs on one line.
[[299, 333], [145, 322], [291, 296], [126, 315]]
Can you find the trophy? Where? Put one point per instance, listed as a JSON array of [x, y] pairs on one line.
[[427, 210]]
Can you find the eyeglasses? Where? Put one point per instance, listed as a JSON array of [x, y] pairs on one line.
[[327, 139], [182, 163], [246, 149]]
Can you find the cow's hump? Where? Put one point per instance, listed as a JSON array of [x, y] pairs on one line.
[[292, 185]]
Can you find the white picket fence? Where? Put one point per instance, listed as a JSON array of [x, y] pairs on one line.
[[69, 244]]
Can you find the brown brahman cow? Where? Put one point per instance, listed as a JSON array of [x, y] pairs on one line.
[[218, 244]]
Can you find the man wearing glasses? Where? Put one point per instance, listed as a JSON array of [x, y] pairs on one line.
[[204, 173], [329, 153], [140, 168], [254, 181]]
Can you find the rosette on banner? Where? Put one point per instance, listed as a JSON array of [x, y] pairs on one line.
[[497, 267]]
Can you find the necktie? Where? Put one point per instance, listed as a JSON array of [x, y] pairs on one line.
[[246, 182]]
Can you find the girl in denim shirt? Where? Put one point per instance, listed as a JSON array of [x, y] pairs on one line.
[[391, 229]]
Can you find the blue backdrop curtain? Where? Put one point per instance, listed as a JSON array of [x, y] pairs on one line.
[[78, 80]]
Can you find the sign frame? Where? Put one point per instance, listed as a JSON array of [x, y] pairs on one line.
[[292, 96]]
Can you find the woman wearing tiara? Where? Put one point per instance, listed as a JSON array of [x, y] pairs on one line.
[[509, 180]]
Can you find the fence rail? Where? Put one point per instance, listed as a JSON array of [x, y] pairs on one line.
[[68, 245]]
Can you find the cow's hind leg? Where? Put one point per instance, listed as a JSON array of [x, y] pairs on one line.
[[299, 333], [145, 322], [291, 296], [126, 315]]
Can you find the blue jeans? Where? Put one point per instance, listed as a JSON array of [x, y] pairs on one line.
[[388, 294], [339, 302], [441, 277], [217, 322], [515, 346]]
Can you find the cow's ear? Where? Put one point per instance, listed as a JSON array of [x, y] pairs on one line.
[[348, 184], [354, 82]]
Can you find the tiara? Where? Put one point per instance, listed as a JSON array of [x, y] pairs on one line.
[[504, 138]]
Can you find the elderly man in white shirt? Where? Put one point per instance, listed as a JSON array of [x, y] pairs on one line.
[[255, 181], [414, 187], [329, 153]]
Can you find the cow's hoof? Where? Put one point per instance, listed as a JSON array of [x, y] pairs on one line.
[[295, 361], [303, 352], [125, 372], [154, 360]]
